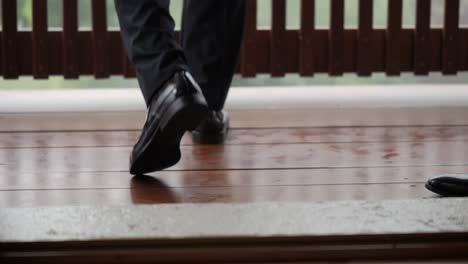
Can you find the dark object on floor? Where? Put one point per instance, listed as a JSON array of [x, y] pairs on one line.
[[212, 130], [179, 107], [449, 184]]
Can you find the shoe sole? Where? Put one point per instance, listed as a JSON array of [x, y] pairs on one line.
[[163, 149], [434, 190], [444, 193]]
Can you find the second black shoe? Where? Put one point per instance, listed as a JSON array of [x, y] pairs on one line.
[[177, 108], [449, 185], [212, 130]]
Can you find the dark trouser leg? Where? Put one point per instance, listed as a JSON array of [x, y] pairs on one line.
[[211, 38], [148, 35]]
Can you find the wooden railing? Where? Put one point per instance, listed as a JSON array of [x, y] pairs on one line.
[[278, 51]]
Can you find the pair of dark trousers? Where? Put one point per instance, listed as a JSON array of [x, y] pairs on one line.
[[209, 49]]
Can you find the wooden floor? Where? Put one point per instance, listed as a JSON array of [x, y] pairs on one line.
[[268, 164], [261, 164]]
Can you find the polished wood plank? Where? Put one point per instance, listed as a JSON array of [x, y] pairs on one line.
[[243, 136], [154, 191], [233, 157], [226, 178], [277, 164], [69, 139], [253, 118]]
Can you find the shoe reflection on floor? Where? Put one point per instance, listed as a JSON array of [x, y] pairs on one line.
[[146, 189]]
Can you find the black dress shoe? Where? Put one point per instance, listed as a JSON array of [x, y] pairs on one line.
[[212, 130], [178, 107], [449, 185]]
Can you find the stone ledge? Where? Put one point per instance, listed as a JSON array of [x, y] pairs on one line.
[[400, 231], [263, 220]]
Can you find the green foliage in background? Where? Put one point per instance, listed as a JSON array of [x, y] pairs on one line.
[[263, 21]]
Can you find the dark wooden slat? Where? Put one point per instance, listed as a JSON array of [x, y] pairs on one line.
[[234, 157], [24, 52], [336, 38], [238, 136], [128, 68], [422, 38], [70, 39], [9, 39], [226, 178], [249, 44], [55, 59], [451, 37], [100, 39], [155, 192], [365, 32], [278, 38], [393, 43], [306, 38], [464, 49], [1, 51], [40, 44], [465, 33], [116, 62], [436, 47]]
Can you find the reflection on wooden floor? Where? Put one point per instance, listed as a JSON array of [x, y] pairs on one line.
[[270, 164]]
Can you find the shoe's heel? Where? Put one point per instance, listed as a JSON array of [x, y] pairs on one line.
[[185, 114], [209, 138]]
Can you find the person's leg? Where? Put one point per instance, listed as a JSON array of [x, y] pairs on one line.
[[175, 101], [211, 39], [147, 30]]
